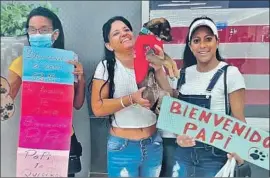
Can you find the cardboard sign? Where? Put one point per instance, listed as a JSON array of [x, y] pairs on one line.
[[47, 65], [216, 129], [142, 45], [46, 113], [41, 163]]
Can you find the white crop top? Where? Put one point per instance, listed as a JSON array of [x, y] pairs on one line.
[[133, 116]]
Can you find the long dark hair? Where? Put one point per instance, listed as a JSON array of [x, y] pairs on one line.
[[109, 58], [189, 59], [56, 23]]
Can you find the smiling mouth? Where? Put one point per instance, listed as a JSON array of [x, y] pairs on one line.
[[203, 53], [125, 40]]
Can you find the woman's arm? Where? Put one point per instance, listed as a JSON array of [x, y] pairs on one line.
[[237, 102], [161, 76], [162, 80], [236, 89], [102, 106], [79, 93], [15, 82], [79, 86]]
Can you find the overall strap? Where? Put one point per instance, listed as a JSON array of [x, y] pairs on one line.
[[215, 78], [182, 79], [214, 81], [227, 108]]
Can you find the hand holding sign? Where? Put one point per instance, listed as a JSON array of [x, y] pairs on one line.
[[185, 141], [239, 160], [78, 68], [188, 141]]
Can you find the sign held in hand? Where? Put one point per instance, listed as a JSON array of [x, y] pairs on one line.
[[216, 129]]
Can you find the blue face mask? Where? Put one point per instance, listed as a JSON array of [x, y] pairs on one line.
[[41, 40]]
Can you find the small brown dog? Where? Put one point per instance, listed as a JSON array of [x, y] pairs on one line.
[[161, 28]]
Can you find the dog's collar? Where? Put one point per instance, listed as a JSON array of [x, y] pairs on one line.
[[145, 31]]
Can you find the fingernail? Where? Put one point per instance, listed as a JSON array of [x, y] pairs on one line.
[[180, 141]]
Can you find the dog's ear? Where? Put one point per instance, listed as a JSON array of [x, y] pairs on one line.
[[152, 22], [155, 28], [145, 24]]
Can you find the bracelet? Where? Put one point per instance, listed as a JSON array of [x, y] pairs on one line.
[[130, 99], [122, 102]]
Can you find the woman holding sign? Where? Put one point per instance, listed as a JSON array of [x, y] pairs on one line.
[[44, 29], [207, 81], [134, 147]]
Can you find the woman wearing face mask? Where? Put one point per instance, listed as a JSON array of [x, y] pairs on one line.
[[134, 148], [44, 29], [202, 83]]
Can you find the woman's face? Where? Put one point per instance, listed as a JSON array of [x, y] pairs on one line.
[[121, 38], [204, 45], [41, 25]]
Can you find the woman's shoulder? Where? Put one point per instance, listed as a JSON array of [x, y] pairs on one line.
[[102, 64], [17, 60], [235, 79], [101, 71], [232, 70], [16, 66]]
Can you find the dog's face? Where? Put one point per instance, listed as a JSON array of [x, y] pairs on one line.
[[160, 27]]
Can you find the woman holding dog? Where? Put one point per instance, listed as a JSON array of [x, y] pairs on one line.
[[44, 29], [197, 85], [134, 147]]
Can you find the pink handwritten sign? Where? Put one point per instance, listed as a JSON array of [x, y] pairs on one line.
[[46, 113], [41, 163], [47, 99], [45, 133]]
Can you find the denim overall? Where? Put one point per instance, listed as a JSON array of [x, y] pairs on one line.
[[201, 160]]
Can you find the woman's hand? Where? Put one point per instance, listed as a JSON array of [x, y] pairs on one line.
[[137, 98], [78, 71], [185, 141], [161, 55], [239, 160]]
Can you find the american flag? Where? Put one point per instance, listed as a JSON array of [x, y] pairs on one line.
[[244, 41]]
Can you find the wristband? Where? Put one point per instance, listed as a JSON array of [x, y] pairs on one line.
[[130, 99], [122, 102]]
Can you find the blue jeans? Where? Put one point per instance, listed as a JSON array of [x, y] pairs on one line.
[[199, 161], [134, 158]]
